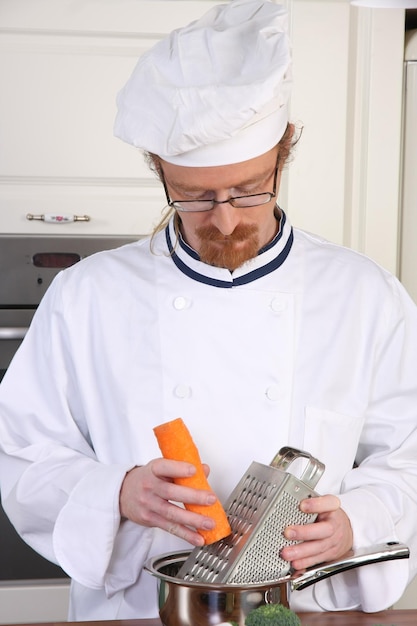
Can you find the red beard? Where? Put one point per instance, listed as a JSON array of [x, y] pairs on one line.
[[228, 251]]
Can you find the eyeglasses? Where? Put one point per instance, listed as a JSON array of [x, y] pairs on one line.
[[239, 202]]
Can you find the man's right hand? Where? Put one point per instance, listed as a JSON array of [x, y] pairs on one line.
[[148, 496]]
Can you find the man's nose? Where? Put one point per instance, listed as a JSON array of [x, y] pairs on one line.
[[226, 217]]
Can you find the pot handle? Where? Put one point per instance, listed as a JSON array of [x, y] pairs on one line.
[[376, 554]]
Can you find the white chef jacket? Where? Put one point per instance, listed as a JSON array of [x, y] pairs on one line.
[[309, 345]]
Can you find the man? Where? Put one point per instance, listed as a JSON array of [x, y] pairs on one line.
[[256, 334]]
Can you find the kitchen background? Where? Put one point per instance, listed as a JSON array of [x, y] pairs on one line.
[[352, 179]]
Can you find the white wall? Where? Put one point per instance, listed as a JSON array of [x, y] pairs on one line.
[[408, 260], [345, 180]]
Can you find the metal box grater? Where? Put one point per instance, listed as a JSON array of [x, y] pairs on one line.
[[264, 502]]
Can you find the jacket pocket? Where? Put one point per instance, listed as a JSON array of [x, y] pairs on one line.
[[332, 438]]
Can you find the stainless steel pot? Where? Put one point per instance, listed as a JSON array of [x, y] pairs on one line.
[[184, 603]]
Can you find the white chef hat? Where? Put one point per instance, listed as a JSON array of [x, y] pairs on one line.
[[214, 92]]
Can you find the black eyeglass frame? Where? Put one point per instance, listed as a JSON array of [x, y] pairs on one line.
[[177, 204]]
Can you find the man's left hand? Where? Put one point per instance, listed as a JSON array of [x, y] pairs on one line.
[[329, 538]]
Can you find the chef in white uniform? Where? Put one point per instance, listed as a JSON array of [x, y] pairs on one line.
[[257, 334]]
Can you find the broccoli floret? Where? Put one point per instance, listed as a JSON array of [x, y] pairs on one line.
[[272, 615]]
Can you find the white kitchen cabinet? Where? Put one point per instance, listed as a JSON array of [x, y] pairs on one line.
[[103, 208], [31, 603], [63, 61]]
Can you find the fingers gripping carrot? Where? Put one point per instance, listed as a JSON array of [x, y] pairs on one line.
[[176, 443]]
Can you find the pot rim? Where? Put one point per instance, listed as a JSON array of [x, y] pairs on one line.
[[155, 562], [298, 580]]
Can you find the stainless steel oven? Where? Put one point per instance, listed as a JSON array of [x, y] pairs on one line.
[[27, 267]]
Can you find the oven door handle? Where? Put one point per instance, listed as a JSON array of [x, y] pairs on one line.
[[13, 332]]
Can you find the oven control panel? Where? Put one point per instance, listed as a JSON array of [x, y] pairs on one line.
[[29, 264]]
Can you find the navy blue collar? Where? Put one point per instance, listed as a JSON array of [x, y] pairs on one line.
[[269, 258]]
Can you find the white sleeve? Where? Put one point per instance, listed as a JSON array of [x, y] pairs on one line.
[[103, 551], [60, 498], [380, 494]]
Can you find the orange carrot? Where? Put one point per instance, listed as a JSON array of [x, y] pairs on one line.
[[176, 443]]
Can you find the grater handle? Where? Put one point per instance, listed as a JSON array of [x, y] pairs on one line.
[[311, 474]]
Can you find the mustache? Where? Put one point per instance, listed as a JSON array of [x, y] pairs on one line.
[[241, 233]]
